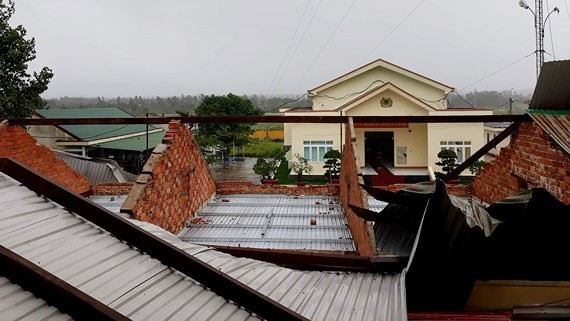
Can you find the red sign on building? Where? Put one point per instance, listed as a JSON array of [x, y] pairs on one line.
[[381, 125]]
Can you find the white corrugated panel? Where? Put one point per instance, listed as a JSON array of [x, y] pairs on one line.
[[316, 295], [111, 202], [99, 264], [272, 222], [19, 304], [143, 289]]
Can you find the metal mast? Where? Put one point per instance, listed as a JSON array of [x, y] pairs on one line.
[[539, 29]]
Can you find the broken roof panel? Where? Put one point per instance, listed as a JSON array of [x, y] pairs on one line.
[[97, 171], [272, 222]]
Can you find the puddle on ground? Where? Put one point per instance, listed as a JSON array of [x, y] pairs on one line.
[[235, 170]]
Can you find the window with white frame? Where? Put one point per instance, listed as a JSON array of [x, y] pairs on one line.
[[461, 148], [315, 150]]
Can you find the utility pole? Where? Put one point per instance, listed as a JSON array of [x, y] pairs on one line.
[[539, 32], [510, 106]]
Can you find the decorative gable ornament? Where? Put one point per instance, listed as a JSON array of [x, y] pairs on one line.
[[386, 102]]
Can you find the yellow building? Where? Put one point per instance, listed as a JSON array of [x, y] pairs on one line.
[[381, 88]]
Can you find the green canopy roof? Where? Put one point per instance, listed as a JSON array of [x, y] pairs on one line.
[[137, 143], [94, 132]]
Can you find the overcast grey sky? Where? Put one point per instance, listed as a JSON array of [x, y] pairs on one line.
[[138, 47]]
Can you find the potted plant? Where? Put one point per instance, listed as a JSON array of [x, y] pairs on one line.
[[332, 165], [447, 162], [266, 166], [300, 166]]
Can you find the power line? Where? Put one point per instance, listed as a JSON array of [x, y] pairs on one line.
[[288, 47], [391, 32], [550, 27], [297, 47], [495, 72], [351, 94], [324, 46]]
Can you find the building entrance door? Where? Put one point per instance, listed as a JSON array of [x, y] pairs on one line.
[[379, 149]]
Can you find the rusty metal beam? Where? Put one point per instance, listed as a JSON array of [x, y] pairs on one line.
[[481, 152], [320, 261], [56, 292], [271, 119], [218, 282]]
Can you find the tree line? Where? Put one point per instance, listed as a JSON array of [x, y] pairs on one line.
[[185, 104]]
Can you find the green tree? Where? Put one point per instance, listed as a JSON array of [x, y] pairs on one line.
[[300, 166], [268, 164], [19, 91], [221, 137]]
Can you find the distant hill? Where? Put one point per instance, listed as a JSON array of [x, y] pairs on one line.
[[139, 106]]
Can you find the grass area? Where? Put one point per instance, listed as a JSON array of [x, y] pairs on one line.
[[268, 126], [258, 147], [283, 177]]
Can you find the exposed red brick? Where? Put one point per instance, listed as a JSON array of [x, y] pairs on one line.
[[112, 189], [352, 193], [532, 159], [17, 144], [229, 188], [174, 184]]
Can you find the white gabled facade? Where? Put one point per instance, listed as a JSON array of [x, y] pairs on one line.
[[384, 89]]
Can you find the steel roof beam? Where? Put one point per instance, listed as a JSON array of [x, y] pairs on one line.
[[271, 119]]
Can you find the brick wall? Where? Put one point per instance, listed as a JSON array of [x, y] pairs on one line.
[[112, 189], [352, 193], [229, 188], [532, 159], [17, 144], [174, 184]]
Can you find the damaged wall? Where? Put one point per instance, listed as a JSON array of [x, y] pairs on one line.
[[229, 188], [532, 159], [174, 184], [352, 193], [112, 188], [17, 144]]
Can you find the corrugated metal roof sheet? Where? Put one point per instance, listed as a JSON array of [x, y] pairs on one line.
[[19, 304], [392, 239], [556, 124], [111, 202], [551, 91], [93, 132], [316, 295], [140, 287], [101, 265], [97, 172], [272, 222]]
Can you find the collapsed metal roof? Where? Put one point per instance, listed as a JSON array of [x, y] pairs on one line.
[[106, 265], [97, 171], [311, 222]]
